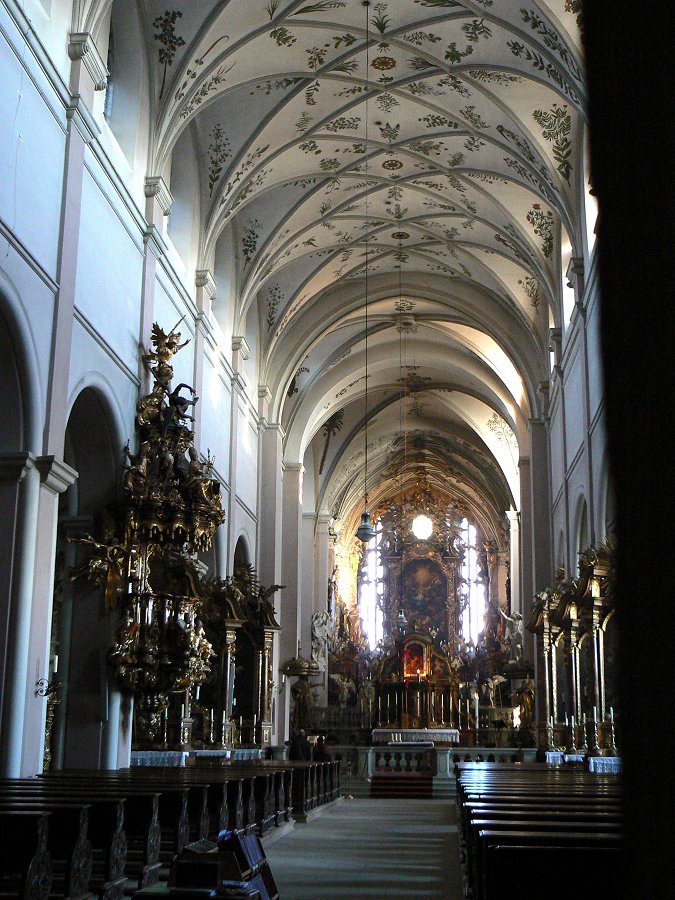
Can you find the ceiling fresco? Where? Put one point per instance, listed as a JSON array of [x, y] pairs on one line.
[[437, 143]]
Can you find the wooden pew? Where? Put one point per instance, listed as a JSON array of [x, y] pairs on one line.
[[25, 863], [507, 811], [67, 843], [141, 816]]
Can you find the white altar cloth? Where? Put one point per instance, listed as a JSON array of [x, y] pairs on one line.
[[415, 735]]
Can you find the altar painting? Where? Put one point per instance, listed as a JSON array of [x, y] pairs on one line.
[[425, 591], [413, 660]]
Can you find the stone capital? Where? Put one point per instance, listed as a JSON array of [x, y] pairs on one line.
[[204, 279], [240, 346], [55, 474], [78, 114], [13, 466], [157, 188], [153, 240], [82, 47], [206, 290]]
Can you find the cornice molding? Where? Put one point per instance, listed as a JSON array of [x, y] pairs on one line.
[[153, 240], [55, 474], [82, 46], [204, 279], [13, 466], [240, 345], [156, 187], [78, 113]]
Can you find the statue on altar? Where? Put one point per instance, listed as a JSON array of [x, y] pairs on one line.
[[525, 695], [513, 635], [302, 703]]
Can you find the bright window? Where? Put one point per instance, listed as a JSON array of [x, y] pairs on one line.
[[371, 588], [473, 587]]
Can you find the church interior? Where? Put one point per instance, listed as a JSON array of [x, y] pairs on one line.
[[332, 339]]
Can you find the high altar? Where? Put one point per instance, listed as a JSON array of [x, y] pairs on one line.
[[415, 686]]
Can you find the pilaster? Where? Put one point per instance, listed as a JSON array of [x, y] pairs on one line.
[[291, 571], [270, 523], [19, 496], [55, 478]]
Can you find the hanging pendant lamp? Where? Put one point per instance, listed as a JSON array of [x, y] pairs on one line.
[[366, 530]]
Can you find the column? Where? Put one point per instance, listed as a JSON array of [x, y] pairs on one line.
[[206, 294], [322, 570], [291, 572], [55, 478], [514, 557], [526, 539], [269, 536], [88, 74], [307, 581], [158, 202], [541, 508], [19, 496], [240, 353]]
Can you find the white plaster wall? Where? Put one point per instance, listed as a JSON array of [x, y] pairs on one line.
[[109, 271], [594, 359], [35, 298], [32, 143], [216, 402], [574, 407], [247, 459], [578, 452], [51, 19], [94, 365]]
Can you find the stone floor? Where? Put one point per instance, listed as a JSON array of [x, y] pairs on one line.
[[362, 848]]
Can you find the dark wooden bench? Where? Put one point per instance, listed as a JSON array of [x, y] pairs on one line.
[[506, 811], [141, 816], [68, 843], [25, 862]]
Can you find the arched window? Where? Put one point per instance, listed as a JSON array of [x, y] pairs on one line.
[[371, 589], [473, 585]]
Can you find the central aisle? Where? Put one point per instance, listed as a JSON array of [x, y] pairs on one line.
[[363, 848]]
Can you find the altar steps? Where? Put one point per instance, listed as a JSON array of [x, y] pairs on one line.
[[402, 786]]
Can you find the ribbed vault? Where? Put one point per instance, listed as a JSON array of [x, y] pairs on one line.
[[460, 126]]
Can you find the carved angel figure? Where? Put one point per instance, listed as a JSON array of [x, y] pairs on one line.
[[165, 346], [106, 565], [320, 631], [514, 634]]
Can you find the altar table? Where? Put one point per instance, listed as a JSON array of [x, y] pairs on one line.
[[415, 735]]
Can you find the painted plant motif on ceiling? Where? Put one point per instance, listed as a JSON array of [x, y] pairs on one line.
[[461, 127]]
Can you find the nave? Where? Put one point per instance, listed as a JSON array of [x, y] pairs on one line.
[[365, 848]]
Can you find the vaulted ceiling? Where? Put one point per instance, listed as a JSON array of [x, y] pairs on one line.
[[429, 148]]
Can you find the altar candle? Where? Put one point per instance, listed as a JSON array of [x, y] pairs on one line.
[[566, 721], [182, 710], [56, 663], [197, 692], [572, 720], [442, 710], [241, 722], [611, 714], [595, 713], [475, 710], [223, 717]]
